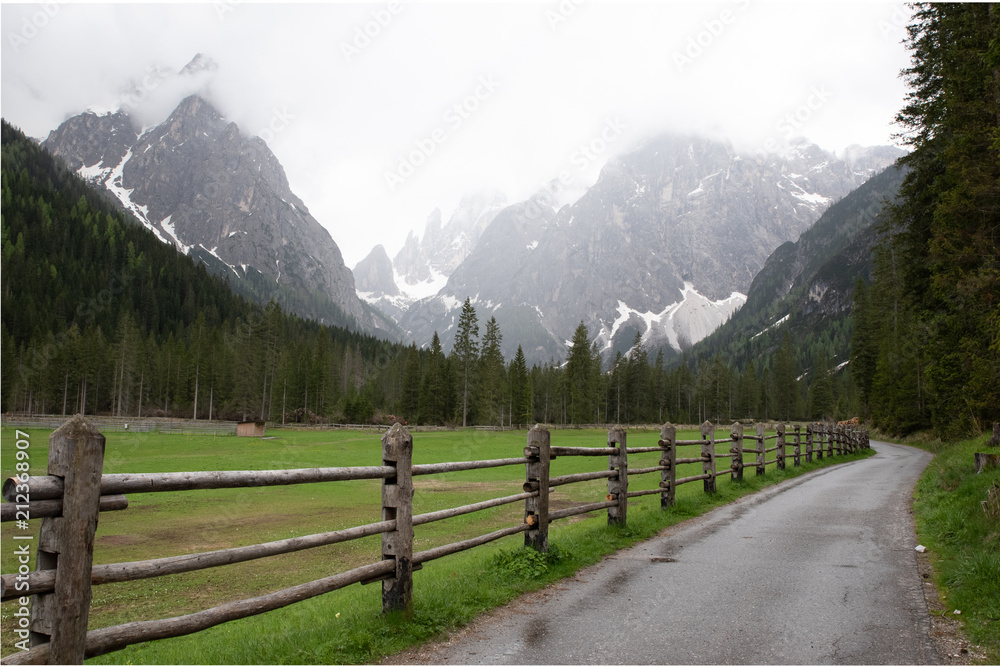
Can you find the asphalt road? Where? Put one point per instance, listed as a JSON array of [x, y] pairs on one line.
[[820, 569]]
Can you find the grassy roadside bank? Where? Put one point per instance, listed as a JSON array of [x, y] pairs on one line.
[[344, 626], [962, 535]]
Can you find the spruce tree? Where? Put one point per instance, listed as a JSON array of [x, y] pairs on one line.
[[466, 352]]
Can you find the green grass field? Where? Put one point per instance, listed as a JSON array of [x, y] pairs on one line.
[[347, 626]]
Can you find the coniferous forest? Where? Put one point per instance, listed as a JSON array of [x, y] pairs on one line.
[[926, 350], [98, 316], [101, 317]]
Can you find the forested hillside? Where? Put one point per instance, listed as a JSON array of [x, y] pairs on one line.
[[100, 316], [927, 341], [806, 287]]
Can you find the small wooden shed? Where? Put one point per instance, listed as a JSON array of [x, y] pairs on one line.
[[250, 429]]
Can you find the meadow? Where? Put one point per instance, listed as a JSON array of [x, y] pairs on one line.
[[347, 626]]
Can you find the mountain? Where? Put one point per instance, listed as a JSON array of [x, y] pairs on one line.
[[99, 316], [442, 248], [665, 243], [806, 287], [200, 184]]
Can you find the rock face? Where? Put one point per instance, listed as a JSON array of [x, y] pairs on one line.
[[373, 274], [806, 287], [665, 244], [443, 247], [196, 181]]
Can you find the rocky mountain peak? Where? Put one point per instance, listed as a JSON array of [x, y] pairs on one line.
[[199, 183], [373, 274], [665, 243]]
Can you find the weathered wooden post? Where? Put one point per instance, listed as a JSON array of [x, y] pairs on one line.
[[838, 436], [618, 485], [781, 446], [761, 431], [708, 455], [668, 460], [397, 504], [66, 543], [536, 509], [828, 433], [809, 442], [736, 432], [797, 445]]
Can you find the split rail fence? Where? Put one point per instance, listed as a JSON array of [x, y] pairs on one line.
[[75, 491]]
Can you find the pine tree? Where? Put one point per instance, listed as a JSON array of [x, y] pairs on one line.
[[411, 384], [432, 389], [945, 236], [465, 352], [821, 400], [491, 375], [520, 389], [864, 342], [785, 380], [579, 387]]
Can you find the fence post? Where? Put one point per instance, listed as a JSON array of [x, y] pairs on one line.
[[708, 455], [618, 485], [397, 504], [66, 543], [761, 431], [736, 432], [809, 443], [797, 443], [828, 432], [838, 435], [668, 459], [536, 509], [781, 446]]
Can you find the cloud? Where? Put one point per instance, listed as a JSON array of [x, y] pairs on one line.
[[365, 85]]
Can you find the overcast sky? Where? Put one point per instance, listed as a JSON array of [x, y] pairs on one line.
[[381, 112]]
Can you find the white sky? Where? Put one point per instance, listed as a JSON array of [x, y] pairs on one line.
[[538, 80]]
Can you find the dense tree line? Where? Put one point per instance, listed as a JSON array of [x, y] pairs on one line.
[[926, 349], [100, 317]]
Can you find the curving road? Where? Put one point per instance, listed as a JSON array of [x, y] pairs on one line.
[[820, 569]]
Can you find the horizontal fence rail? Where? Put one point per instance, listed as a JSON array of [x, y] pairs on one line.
[[73, 493]]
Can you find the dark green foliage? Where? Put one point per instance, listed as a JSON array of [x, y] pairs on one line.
[[465, 353], [100, 316], [937, 287]]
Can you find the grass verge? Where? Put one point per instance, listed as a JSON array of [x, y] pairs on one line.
[[960, 526]]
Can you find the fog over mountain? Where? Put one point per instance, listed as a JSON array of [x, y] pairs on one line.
[[198, 182], [665, 244], [341, 93]]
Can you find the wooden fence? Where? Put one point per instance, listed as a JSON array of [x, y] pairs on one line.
[[75, 491]]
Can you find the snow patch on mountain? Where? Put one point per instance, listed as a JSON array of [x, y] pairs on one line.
[[680, 324], [168, 226], [773, 326]]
